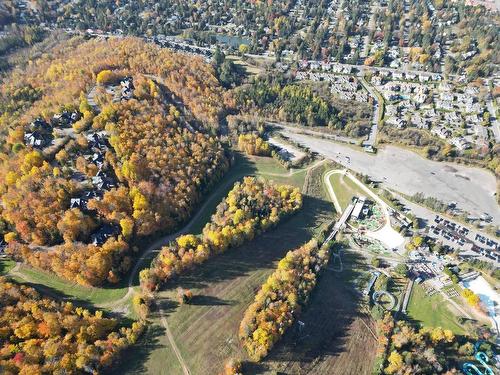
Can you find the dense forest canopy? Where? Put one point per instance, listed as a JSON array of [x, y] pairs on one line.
[[110, 141], [39, 335]]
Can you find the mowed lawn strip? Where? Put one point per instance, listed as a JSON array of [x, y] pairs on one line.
[[94, 296], [345, 189], [5, 266], [432, 311]]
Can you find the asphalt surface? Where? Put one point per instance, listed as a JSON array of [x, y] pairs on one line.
[[472, 189]]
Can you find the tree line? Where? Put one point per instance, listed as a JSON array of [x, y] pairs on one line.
[[251, 207], [281, 297], [39, 335]]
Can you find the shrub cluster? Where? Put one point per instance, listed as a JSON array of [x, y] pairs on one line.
[[252, 206]]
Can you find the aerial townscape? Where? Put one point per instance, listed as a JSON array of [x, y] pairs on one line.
[[224, 187]]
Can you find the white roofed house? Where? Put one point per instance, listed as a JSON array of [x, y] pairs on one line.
[[461, 143], [376, 80], [441, 132], [358, 207], [37, 139]]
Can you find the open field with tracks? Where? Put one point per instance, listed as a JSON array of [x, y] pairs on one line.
[[198, 337], [205, 332]]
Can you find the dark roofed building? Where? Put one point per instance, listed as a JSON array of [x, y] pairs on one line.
[[103, 233]]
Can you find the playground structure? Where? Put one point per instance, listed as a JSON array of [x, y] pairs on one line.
[[470, 368]]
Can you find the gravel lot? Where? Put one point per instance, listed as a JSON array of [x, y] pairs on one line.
[[295, 154], [407, 172]]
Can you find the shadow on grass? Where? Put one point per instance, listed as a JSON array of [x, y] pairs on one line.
[[333, 307], [132, 359], [57, 295], [205, 300], [262, 252]]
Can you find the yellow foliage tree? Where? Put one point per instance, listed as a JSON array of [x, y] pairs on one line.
[[105, 77]]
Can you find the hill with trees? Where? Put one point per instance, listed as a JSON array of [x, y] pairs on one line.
[[104, 143], [251, 207]]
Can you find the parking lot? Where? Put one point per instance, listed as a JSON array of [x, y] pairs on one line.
[[459, 237], [472, 189]]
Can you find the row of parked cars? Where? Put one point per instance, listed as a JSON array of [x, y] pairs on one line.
[[449, 230]]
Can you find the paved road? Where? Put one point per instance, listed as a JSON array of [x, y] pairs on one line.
[[495, 124], [377, 107], [472, 189], [304, 130]]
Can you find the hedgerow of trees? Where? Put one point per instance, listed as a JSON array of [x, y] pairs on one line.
[[252, 206], [275, 97], [41, 336], [281, 298]]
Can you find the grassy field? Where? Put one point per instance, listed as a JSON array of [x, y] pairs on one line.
[[206, 330], [6, 265], [68, 290], [337, 337], [432, 311], [345, 189]]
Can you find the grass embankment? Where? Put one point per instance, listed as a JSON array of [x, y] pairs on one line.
[[68, 290], [6, 265], [56, 286], [432, 311], [345, 189]]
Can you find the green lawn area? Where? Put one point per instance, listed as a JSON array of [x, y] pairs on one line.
[[432, 311], [6, 265], [206, 330], [345, 189], [59, 286]]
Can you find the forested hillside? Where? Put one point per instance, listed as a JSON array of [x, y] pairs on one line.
[[41, 336], [104, 143]]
